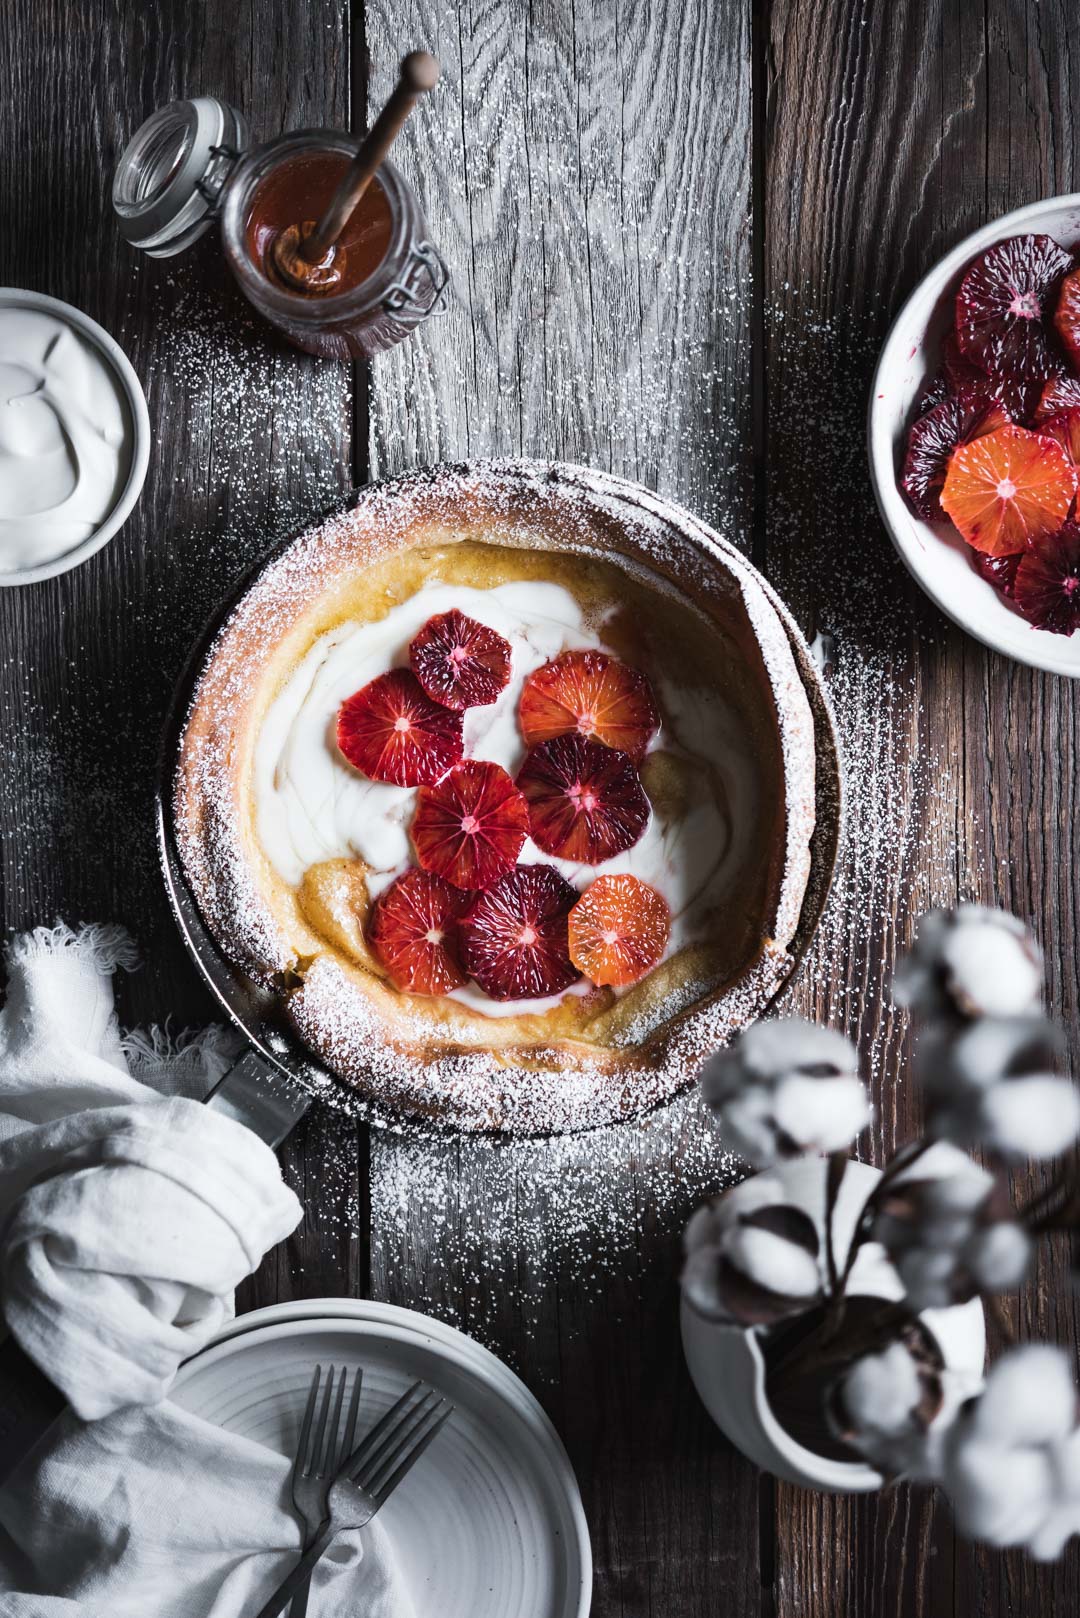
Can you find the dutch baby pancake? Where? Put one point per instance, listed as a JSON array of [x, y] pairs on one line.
[[503, 781]]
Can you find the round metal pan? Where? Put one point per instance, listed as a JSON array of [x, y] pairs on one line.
[[282, 1059]]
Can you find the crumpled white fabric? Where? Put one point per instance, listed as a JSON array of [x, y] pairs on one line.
[[128, 1213], [156, 1514], [127, 1217]]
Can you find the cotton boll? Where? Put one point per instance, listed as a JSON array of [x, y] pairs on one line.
[[881, 1391], [998, 1255], [1029, 1397], [751, 1257], [886, 1405], [774, 1263], [786, 1044], [1012, 1460], [1034, 1116], [989, 969], [748, 1123], [784, 1087], [1000, 1495], [823, 1114], [970, 962]]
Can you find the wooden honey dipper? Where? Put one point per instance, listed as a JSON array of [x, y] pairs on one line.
[[306, 256]]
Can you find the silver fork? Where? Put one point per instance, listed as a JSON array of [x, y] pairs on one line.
[[369, 1476], [319, 1457]]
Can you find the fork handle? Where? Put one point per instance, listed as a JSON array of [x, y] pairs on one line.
[[298, 1607], [299, 1575]]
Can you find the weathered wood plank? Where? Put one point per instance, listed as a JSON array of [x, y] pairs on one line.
[[250, 438], [893, 131], [586, 173], [585, 170]]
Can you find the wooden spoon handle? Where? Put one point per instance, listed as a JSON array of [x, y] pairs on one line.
[[419, 74]]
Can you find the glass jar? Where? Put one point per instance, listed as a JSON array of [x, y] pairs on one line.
[[189, 164]]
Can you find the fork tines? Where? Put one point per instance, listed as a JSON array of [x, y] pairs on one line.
[[319, 1455], [397, 1441]]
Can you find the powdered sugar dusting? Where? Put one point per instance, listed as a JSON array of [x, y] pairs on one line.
[[506, 1218], [566, 1089], [902, 851], [542, 504]]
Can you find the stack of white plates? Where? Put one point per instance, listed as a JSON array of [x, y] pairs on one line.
[[489, 1524]]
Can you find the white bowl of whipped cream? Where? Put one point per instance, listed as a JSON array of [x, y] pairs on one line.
[[74, 437]]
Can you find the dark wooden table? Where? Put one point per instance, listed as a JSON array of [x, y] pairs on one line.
[[677, 233]]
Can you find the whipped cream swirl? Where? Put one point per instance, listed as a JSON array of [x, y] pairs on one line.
[[65, 440], [312, 805]]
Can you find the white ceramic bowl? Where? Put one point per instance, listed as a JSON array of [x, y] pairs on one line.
[[937, 556], [135, 399]]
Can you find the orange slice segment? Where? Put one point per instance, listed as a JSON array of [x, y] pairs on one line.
[[1008, 488], [618, 930]]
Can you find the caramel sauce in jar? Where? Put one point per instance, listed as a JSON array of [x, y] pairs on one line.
[[191, 164], [391, 275], [297, 192]]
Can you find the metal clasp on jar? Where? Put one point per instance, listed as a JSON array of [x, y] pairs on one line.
[[403, 294], [223, 160]]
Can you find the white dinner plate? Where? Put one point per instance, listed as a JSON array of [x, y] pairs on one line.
[[489, 1524]]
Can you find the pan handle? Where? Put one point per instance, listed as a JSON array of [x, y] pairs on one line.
[[257, 1095]]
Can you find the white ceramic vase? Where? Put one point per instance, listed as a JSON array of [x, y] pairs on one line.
[[728, 1367]]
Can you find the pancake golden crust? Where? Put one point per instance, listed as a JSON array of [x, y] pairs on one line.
[[596, 1056]]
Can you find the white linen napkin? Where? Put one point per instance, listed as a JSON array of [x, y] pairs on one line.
[[128, 1213], [156, 1514], [127, 1216]]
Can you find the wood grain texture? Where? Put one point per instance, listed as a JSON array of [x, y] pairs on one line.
[[585, 170], [892, 132], [249, 438]]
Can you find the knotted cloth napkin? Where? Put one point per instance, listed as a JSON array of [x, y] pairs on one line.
[[127, 1216], [128, 1212]]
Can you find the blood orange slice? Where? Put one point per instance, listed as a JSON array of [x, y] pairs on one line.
[[514, 936], [957, 420], [391, 731], [1060, 393], [1047, 586], [589, 694], [586, 802], [618, 930], [413, 931], [469, 828], [1003, 304], [459, 662], [1008, 488], [1067, 316]]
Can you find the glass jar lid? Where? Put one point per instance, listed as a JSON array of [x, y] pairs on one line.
[[171, 173]]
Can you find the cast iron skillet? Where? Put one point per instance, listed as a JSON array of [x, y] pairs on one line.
[[275, 1081], [278, 1078]]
